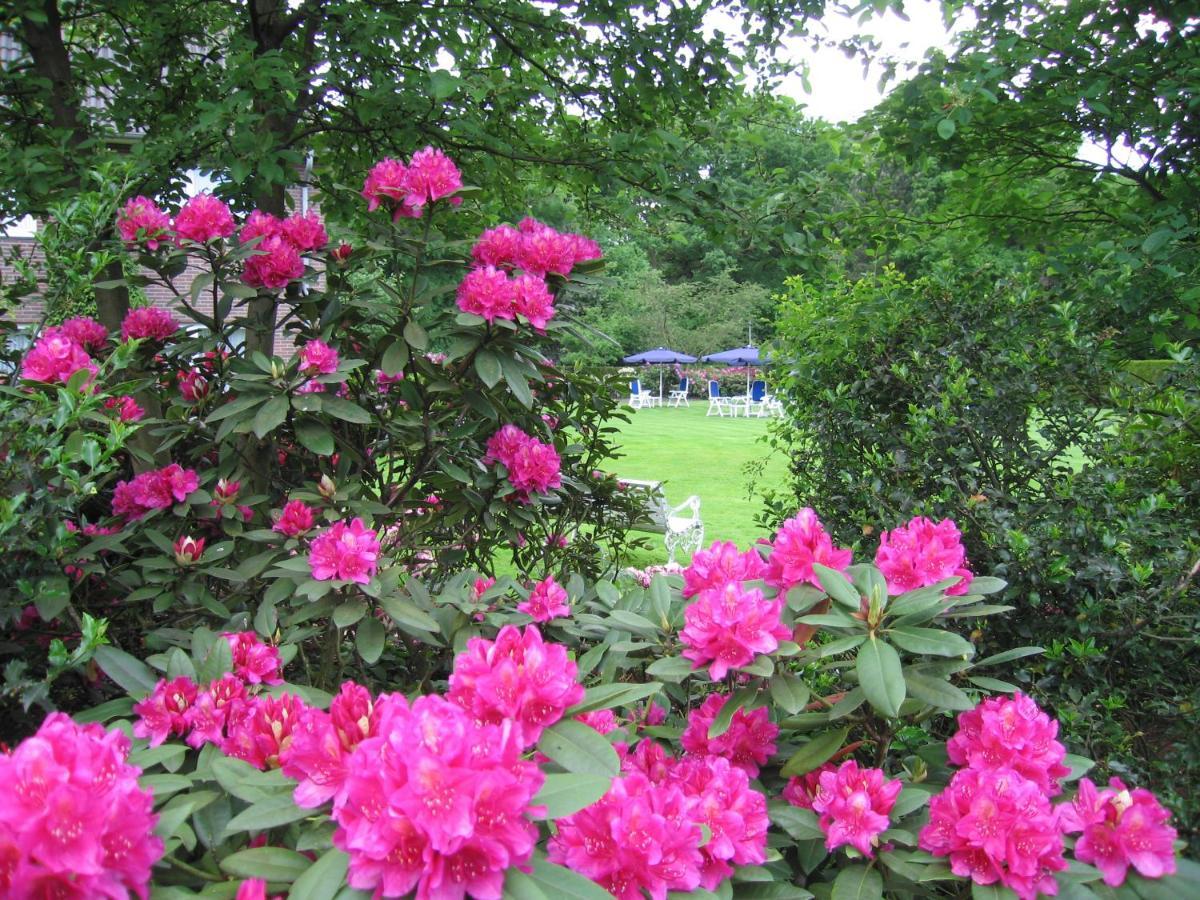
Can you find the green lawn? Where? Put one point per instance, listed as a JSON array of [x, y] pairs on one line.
[[703, 455]]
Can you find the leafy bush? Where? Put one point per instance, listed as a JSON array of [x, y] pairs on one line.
[[996, 399]]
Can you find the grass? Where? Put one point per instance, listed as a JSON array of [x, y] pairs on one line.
[[703, 455]]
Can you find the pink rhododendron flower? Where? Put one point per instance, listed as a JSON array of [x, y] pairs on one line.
[[305, 231], [318, 358], [499, 247], [259, 224], [533, 466], [800, 542], [204, 218], [544, 250], [276, 263], [153, 490], [55, 357], [727, 628], [922, 553], [225, 495], [1121, 828], [480, 587], [1011, 733], [547, 601], [259, 730], [803, 790], [254, 889], [533, 301], [206, 718], [323, 741], [585, 248], [164, 712], [341, 253], [346, 552], [639, 836], [517, 677], [141, 221], [602, 720], [719, 565], [853, 804], [504, 444], [437, 802], [74, 822], [487, 292], [384, 382], [734, 813], [188, 550], [254, 661], [127, 408], [86, 332], [148, 323], [387, 184], [748, 743], [431, 176], [193, 386], [996, 826]]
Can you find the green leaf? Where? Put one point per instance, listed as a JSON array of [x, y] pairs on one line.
[[633, 622], [991, 892], [112, 709], [930, 641], [880, 676], [936, 691], [270, 812], [127, 671], [443, 84], [487, 366], [268, 863], [1079, 766], [324, 878], [945, 129], [858, 883], [607, 696], [52, 597], [743, 697], [579, 748], [770, 890], [1009, 655], [270, 416], [314, 435], [407, 615], [815, 753], [395, 358], [519, 385], [216, 662], [992, 684], [838, 587], [568, 793], [369, 639], [789, 692], [245, 782], [801, 824], [986, 584], [346, 614], [415, 335], [672, 668], [345, 410], [910, 799], [1156, 240], [519, 886], [841, 645]]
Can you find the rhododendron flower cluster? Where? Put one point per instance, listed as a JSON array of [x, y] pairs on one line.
[[429, 176], [800, 542], [193, 386], [1013, 733], [517, 677], [720, 565], [318, 358], [435, 801], [127, 408], [854, 804], [534, 248], [148, 323], [141, 221], [322, 742], [296, 518], [85, 331], [56, 357], [254, 661], [997, 826], [533, 467], [726, 628], [277, 255], [547, 600], [153, 490], [803, 790], [188, 550], [74, 822], [995, 820], [922, 553], [346, 552], [748, 742], [259, 730], [1121, 828], [644, 833], [603, 721], [164, 712], [202, 219]]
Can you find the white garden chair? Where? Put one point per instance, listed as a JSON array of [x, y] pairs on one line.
[[716, 403], [685, 530], [679, 395]]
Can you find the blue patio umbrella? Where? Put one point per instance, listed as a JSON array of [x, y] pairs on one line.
[[660, 356], [738, 356]]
